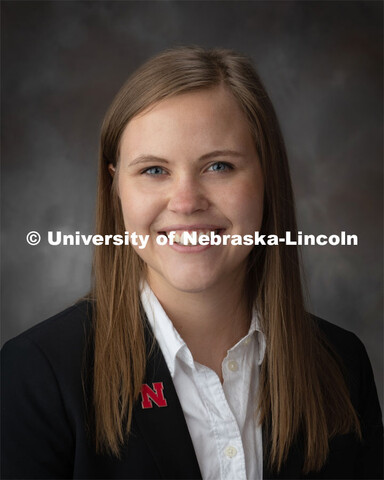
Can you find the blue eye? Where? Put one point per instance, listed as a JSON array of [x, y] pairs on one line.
[[155, 171], [220, 167]]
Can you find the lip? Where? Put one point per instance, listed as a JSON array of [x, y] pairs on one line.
[[187, 228], [191, 248]]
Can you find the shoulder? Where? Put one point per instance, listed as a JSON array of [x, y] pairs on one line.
[[43, 367], [53, 347], [42, 403], [334, 332], [355, 364], [345, 343], [65, 330]]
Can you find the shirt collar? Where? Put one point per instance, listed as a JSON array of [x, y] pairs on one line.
[[166, 334], [254, 331], [169, 339]]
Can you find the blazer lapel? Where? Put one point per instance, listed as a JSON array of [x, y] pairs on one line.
[[161, 422]]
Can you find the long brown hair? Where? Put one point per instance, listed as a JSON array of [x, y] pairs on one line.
[[302, 388]]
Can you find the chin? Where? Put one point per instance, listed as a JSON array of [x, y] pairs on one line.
[[189, 285], [188, 280]]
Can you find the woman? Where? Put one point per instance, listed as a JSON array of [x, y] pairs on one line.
[[191, 360]]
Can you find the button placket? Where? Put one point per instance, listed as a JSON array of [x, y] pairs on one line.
[[225, 428]]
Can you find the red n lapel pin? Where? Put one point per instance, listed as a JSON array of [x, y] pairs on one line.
[[156, 395]]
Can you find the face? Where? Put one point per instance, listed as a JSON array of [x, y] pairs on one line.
[[189, 164]]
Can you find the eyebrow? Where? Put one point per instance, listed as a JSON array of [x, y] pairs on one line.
[[207, 156]]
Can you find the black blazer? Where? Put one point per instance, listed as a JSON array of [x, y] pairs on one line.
[[45, 433]]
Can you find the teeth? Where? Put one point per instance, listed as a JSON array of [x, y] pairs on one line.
[[187, 238]]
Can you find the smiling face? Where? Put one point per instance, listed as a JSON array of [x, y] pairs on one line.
[[189, 163]]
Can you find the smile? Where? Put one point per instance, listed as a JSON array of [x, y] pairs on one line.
[[188, 238], [191, 237]]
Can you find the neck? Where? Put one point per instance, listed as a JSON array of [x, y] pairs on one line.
[[210, 322]]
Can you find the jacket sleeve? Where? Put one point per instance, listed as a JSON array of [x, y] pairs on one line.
[[370, 460], [37, 441]]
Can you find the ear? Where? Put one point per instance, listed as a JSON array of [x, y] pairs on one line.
[[111, 169]]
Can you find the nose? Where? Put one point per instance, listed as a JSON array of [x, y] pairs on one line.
[[187, 196]]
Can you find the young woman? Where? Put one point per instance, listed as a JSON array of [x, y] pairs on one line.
[[191, 360]]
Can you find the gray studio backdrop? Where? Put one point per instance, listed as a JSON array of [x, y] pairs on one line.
[[62, 63]]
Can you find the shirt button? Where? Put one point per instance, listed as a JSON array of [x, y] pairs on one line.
[[230, 452], [233, 366], [247, 341]]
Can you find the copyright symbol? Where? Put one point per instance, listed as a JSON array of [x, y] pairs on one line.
[[33, 238]]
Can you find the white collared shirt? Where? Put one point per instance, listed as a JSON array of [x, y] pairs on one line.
[[221, 418]]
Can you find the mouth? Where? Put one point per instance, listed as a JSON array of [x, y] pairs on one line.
[[191, 236]]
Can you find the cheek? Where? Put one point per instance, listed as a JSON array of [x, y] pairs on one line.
[[139, 208], [246, 204], [133, 210]]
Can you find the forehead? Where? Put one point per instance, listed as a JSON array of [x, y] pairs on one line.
[[199, 120]]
